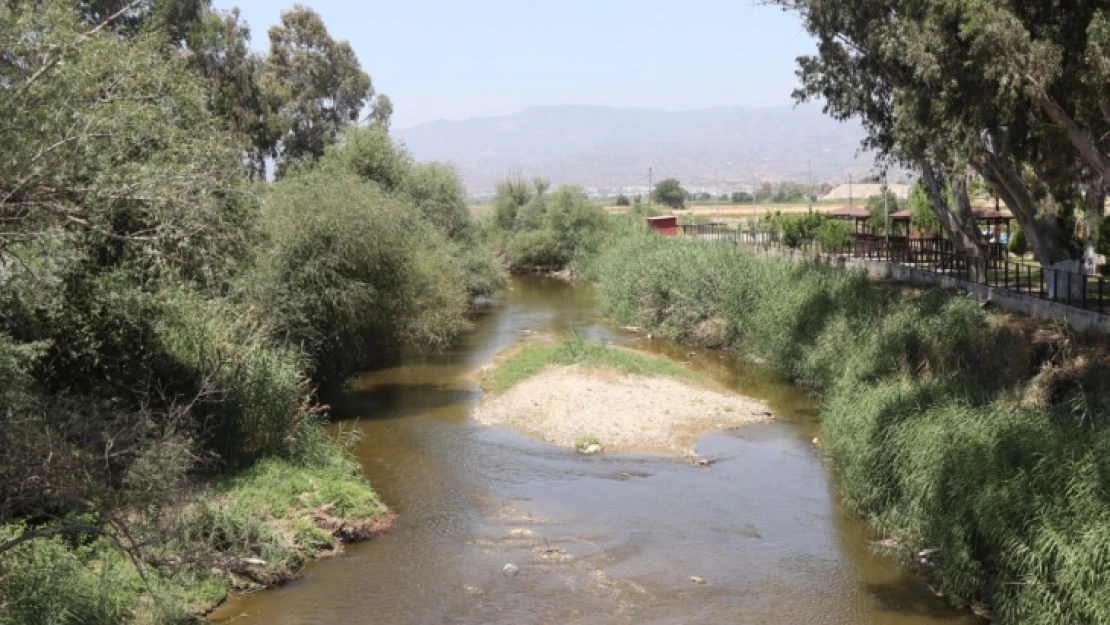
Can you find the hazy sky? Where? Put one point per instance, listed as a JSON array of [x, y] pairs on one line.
[[454, 59]]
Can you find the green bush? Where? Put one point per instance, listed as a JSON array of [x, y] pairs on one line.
[[536, 249], [438, 193], [349, 273], [549, 231], [920, 416], [834, 234], [1018, 245]]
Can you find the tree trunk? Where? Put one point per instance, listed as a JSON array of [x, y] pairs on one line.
[[1080, 138], [1051, 246], [960, 225]]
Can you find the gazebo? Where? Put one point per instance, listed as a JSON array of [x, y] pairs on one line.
[[993, 219]]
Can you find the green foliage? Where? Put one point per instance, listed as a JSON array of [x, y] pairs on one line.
[[622, 200], [370, 154], [113, 148], [1103, 244], [833, 234], [585, 442], [438, 193], [741, 197], [879, 210], [157, 325], [547, 231], [669, 192], [1019, 244], [920, 416], [922, 215], [575, 350], [358, 275], [53, 582], [539, 249], [801, 229], [318, 83]]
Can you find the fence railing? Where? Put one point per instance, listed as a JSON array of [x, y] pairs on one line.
[[937, 256]]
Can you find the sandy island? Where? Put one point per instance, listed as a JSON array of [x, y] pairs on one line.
[[564, 404]]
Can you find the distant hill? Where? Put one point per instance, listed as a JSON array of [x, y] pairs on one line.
[[608, 149]]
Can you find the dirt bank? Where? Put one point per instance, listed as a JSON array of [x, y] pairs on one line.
[[564, 405]]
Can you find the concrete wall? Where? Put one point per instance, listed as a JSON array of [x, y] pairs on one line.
[[1081, 320]]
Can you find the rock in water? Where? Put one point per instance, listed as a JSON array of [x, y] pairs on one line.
[[510, 570], [698, 580]]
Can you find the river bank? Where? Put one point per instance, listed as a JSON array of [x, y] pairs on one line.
[[967, 439], [612, 538]]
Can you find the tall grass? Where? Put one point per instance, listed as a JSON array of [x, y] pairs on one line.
[[949, 429]]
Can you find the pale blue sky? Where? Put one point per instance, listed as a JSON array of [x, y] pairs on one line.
[[440, 59]]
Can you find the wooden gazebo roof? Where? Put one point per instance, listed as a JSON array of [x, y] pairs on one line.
[[985, 215], [850, 212]]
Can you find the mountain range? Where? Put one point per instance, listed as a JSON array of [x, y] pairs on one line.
[[608, 149]]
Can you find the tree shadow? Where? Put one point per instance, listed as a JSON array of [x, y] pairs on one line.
[[396, 401], [911, 597]]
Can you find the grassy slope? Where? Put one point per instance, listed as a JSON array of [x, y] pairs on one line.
[[953, 428], [531, 359], [269, 512]]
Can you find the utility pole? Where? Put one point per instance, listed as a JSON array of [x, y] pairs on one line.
[[809, 191], [849, 189], [650, 190], [886, 214]]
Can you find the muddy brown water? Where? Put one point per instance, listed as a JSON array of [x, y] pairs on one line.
[[614, 538]]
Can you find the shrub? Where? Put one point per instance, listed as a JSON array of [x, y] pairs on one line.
[[349, 273], [920, 416], [550, 230], [536, 249], [436, 191], [369, 153], [622, 200], [834, 234], [1018, 245]]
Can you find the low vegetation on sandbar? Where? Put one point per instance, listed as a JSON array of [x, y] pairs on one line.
[[589, 396]]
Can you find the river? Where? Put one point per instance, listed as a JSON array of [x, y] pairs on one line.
[[614, 538]]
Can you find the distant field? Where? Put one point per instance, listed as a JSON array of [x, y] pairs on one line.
[[717, 211], [735, 213]]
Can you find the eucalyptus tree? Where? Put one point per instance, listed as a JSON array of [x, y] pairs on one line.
[[936, 87], [318, 82]]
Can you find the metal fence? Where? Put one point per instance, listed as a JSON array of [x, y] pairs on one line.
[[937, 256]]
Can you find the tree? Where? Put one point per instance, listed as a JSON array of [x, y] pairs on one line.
[[959, 115], [438, 193], [318, 82], [113, 148], [372, 155], [922, 216], [670, 193], [741, 197], [622, 200], [219, 47], [381, 113], [881, 205]]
